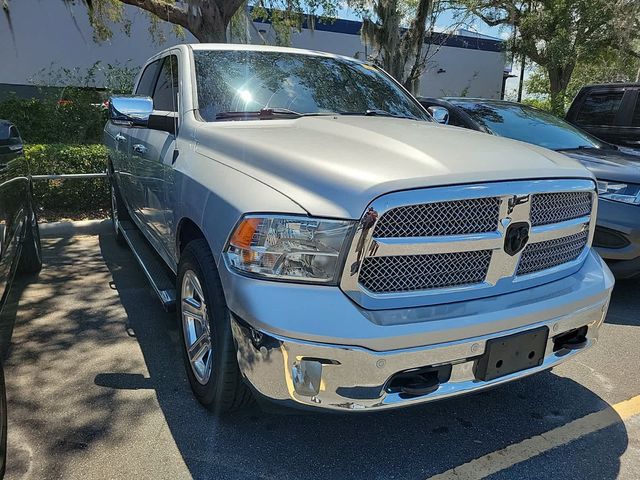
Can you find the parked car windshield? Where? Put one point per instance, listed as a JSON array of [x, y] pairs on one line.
[[284, 82], [530, 125]]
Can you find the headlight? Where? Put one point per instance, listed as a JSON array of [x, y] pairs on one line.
[[288, 248], [619, 192]]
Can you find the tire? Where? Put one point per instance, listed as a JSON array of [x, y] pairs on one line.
[[31, 255], [218, 386], [119, 211]]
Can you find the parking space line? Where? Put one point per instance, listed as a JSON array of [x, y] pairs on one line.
[[519, 452]]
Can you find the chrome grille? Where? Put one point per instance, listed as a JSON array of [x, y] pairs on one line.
[[549, 208], [551, 253], [408, 273], [429, 246], [455, 217]]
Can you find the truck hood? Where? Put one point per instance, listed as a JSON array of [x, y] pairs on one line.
[[616, 165], [336, 165]]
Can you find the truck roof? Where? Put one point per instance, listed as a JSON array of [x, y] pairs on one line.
[[252, 48], [611, 85]]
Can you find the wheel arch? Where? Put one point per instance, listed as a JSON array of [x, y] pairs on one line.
[[187, 231]]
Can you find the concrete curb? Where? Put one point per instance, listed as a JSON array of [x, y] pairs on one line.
[[70, 228]]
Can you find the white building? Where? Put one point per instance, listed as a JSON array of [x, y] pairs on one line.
[[49, 35]]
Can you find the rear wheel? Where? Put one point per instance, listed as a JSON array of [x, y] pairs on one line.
[[118, 210], [31, 255], [205, 328]]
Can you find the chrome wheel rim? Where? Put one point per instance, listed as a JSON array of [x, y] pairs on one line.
[[195, 327], [114, 208]]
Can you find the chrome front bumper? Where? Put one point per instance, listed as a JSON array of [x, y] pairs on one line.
[[349, 377]]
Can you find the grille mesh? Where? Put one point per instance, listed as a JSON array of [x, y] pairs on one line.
[[409, 273], [549, 208], [455, 217], [551, 253]]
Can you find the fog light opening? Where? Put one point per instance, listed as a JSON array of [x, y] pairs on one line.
[[419, 381], [572, 340], [307, 377]]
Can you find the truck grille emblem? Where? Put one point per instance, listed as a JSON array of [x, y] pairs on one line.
[[516, 238]]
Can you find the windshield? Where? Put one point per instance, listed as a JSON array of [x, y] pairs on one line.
[[251, 81], [529, 125]]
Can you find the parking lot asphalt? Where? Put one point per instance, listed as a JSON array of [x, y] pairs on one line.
[[97, 389]]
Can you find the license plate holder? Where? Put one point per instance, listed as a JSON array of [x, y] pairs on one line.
[[511, 354]]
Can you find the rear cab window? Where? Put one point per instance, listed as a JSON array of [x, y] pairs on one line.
[[600, 107]]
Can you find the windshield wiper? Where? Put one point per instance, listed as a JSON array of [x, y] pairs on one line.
[[263, 113], [268, 113], [579, 147], [376, 112]]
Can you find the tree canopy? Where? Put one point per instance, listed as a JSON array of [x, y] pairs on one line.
[[207, 20], [558, 35], [401, 33]]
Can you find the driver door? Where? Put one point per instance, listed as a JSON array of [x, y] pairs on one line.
[[152, 154]]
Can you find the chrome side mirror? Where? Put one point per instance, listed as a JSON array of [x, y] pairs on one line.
[[132, 110], [439, 114]]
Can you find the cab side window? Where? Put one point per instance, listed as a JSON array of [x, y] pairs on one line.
[[14, 134], [148, 79], [600, 108], [165, 96], [456, 121]]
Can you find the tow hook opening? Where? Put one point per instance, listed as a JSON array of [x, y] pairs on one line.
[[418, 381], [572, 340]]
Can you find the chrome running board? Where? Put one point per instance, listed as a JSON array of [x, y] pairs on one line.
[[161, 279]]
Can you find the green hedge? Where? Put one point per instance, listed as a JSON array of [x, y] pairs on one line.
[[76, 198], [72, 120]]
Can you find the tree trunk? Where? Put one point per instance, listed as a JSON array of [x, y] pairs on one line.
[[559, 78], [414, 45], [211, 30], [207, 20]]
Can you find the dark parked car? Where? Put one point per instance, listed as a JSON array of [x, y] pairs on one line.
[[611, 112], [617, 169], [19, 235]]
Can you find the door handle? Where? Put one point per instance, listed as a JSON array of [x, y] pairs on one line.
[[139, 149], [120, 138]]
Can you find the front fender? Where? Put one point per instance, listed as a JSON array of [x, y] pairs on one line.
[[215, 196]]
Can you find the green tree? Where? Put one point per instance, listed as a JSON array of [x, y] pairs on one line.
[[558, 35], [401, 32], [613, 66], [207, 20]]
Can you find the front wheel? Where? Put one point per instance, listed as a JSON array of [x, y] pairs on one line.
[[31, 255], [205, 329]]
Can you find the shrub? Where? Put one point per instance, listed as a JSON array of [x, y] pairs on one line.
[[69, 198], [68, 104], [72, 119]]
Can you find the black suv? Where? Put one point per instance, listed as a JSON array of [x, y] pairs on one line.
[[19, 236], [611, 112]]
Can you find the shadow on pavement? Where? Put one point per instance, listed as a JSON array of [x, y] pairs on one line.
[[412, 443], [66, 325], [625, 303]]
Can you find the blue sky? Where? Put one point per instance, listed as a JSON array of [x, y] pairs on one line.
[[445, 20]]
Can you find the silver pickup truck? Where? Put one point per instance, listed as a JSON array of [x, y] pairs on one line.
[[326, 244]]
